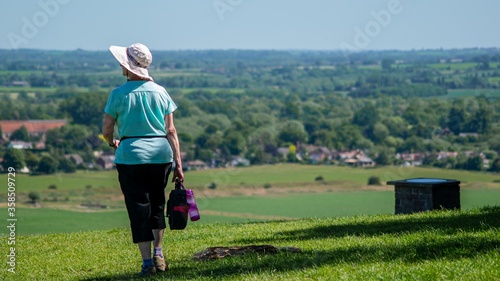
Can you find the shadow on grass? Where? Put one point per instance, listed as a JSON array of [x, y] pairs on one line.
[[487, 217], [451, 249], [443, 247]]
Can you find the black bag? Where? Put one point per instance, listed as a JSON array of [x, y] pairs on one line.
[[177, 207]]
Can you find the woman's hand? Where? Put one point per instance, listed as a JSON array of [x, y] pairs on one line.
[[178, 173]]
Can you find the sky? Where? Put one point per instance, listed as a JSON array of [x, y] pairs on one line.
[[250, 24]]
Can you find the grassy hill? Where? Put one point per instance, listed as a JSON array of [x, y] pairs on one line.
[[438, 245], [257, 193]]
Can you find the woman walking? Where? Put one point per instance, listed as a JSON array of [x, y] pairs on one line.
[[147, 149]]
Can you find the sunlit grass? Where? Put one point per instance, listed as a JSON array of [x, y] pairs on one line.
[[441, 245]]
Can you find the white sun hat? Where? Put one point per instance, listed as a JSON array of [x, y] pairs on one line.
[[135, 58]]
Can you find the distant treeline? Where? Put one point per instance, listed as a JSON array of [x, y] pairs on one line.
[[251, 104]]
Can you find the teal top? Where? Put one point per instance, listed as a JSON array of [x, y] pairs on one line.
[[139, 108]]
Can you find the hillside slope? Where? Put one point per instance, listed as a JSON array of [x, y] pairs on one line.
[[440, 245]]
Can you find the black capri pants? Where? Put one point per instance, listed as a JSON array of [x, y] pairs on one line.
[[143, 186]]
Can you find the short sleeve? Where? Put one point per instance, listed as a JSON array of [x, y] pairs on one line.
[[110, 107], [171, 104]]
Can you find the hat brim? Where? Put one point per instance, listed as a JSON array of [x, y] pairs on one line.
[[120, 54]]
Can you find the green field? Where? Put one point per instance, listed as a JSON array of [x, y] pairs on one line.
[[290, 174], [14, 90], [240, 209], [257, 193], [441, 245], [454, 66], [473, 92], [280, 175], [211, 90]]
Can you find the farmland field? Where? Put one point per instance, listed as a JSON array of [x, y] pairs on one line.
[[258, 193], [288, 175], [473, 92], [239, 209]]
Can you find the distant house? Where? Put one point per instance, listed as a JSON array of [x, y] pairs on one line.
[[106, 161], [356, 158], [196, 165], [21, 145], [446, 154], [239, 162], [283, 151], [40, 145], [464, 135], [316, 154], [34, 127], [411, 159], [77, 159], [20, 84]]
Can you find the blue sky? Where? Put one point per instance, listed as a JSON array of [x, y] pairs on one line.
[[250, 24]]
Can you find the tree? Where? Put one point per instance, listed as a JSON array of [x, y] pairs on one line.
[[14, 158], [322, 137], [378, 132], [474, 163], [483, 62], [291, 110], [31, 161], [374, 180], [396, 125], [262, 137], [413, 144], [292, 132], [366, 116], [291, 156], [387, 64], [34, 197], [20, 134], [67, 166], [234, 142], [480, 121], [71, 137], [257, 155], [47, 165], [347, 136], [456, 118], [495, 166], [384, 158], [86, 108]]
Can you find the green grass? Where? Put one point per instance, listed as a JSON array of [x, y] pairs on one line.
[[240, 195], [238, 209], [441, 245], [45, 220]]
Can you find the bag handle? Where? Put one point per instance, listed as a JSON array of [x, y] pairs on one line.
[[178, 184]]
